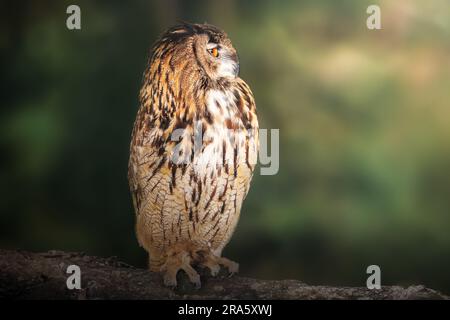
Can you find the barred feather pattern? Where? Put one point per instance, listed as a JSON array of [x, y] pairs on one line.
[[187, 190]]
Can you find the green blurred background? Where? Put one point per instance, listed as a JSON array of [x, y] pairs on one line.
[[364, 132]]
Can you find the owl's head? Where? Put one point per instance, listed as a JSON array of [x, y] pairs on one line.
[[209, 48]]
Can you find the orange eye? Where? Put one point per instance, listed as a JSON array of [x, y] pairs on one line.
[[214, 52]]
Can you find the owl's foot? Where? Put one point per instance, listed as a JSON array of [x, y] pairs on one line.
[[174, 263], [213, 263]]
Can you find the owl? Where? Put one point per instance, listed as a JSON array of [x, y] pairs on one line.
[[193, 151]]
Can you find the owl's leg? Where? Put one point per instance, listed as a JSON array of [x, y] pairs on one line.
[[155, 262], [213, 263], [179, 260]]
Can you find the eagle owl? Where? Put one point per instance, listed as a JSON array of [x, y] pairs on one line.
[[193, 151]]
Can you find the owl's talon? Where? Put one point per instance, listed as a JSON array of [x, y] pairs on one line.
[[214, 269], [170, 281], [233, 268], [196, 282], [213, 262]]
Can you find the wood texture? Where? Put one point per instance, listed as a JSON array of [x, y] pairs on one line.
[[26, 275]]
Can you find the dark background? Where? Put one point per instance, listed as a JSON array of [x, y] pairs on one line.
[[364, 132]]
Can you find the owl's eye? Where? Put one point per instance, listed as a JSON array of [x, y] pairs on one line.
[[214, 52]]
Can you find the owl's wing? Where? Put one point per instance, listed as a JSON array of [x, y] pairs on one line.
[[142, 159], [148, 174], [147, 155]]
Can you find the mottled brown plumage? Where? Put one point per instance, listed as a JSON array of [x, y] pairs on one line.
[[193, 151]]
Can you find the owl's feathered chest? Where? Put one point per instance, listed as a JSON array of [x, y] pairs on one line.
[[217, 138], [223, 133]]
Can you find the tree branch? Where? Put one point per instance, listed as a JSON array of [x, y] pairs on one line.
[[26, 275]]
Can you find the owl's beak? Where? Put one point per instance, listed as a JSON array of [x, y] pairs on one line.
[[229, 66], [236, 69]]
